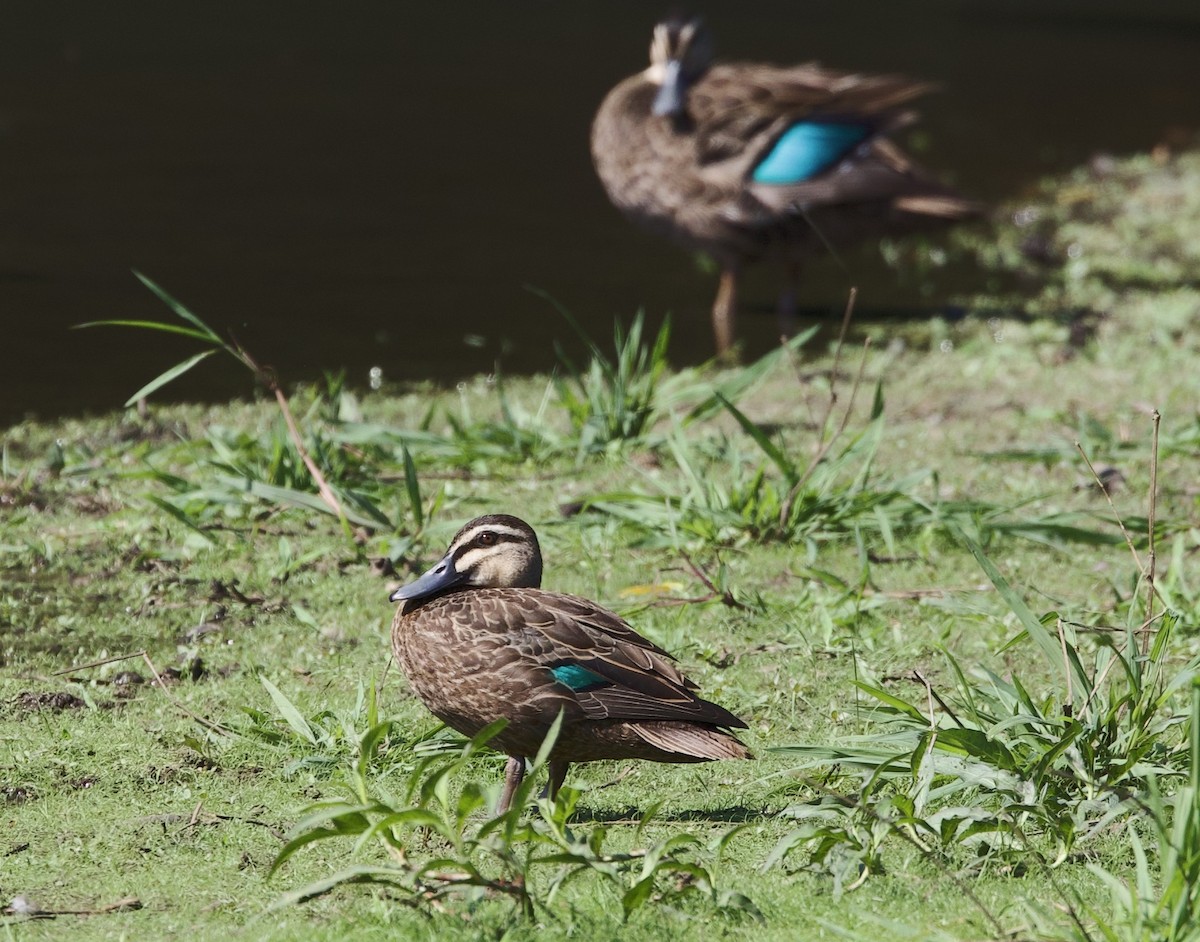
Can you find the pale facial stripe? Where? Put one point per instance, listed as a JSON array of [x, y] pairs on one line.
[[500, 529], [466, 558], [663, 50], [467, 561], [660, 52]]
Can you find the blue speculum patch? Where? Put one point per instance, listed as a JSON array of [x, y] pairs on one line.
[[576, 677], [807, 149]]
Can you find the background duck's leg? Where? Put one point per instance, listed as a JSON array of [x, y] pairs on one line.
[[725, 311], [513, 773], [787, 301], [558, 772]]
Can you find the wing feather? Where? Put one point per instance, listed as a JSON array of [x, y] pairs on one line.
[[739, 110], [643, 681]]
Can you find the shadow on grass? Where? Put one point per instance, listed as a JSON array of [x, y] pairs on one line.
[[738, 814]]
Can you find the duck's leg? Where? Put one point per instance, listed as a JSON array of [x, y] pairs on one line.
[[514, 772], [558, 772], [725, 311], [787, 301]]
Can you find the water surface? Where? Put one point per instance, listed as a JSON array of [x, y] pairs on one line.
[[375, 184]]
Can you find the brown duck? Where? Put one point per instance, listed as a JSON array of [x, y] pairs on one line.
[[745, 161], [480, 641]]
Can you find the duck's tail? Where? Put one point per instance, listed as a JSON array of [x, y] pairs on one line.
[[918, 192], [942, 206], [693, 742]]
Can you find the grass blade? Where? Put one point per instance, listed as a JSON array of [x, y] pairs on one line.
[[358, 873], [1030, 622], [170, 509], [149, 325], [180, 310], [163, 378], [293, 717], [770, 449], [413, 485]]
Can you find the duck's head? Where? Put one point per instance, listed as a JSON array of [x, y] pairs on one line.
[[680, 52], [494, 551]]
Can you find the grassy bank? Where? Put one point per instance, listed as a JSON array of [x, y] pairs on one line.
[[891, 559]]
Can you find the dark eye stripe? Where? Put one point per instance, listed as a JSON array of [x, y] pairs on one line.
[[492, 538], [472, 540]]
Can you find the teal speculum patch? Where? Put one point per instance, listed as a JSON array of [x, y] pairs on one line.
[[807, 149], [576, 677]]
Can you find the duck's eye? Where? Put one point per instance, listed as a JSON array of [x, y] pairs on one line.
[[486, 539]]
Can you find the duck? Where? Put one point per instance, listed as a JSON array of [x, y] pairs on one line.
[[745, 161], [480, 641]]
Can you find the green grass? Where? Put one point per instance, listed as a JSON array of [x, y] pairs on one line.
[[917, 598]]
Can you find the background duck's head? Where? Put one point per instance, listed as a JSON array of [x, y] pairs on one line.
[[494, 551], [680, 52]]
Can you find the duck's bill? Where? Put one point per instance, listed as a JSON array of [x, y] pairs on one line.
[[669, 100], [441, 577]]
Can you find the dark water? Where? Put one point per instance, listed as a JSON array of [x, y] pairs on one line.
[[373, 184]]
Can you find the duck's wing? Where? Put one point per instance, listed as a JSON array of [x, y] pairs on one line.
[[740, 110], [611, 670], [787, 139]]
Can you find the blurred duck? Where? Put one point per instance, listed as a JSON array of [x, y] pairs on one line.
[[480, 641], [745, 161]]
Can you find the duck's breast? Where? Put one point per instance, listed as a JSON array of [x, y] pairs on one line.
[[463, 657]]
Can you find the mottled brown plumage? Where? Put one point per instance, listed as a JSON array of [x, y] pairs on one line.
[[480, 641], [679, 148]]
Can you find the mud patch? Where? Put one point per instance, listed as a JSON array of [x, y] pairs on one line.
[[13, 497], [18, 794], [58, 701]]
